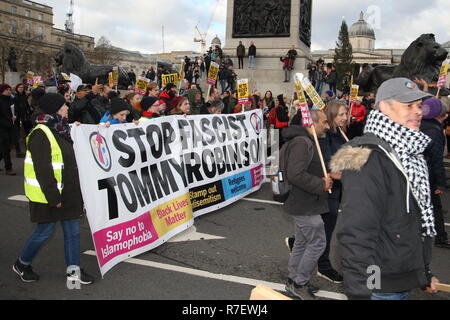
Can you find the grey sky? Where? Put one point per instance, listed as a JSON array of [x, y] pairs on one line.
[[136, 24]]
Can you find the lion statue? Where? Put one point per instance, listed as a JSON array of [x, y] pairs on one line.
[[421, 60], [70, 59]]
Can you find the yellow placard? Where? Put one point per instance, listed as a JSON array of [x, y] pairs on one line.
[[115, 75], [300, 94], [243, 91], [169, 78], [171, 214], [141, 86], [110, 80], [213, 73], [354, 92], [312, 93]]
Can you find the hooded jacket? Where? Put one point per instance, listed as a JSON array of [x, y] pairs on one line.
[[379, 223], [304, 174]]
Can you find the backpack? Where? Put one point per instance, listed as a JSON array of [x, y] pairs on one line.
[[280, 185]]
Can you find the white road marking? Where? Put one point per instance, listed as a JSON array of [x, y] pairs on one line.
[[191, 234], [263, 201], [223, 277], [19, 198]]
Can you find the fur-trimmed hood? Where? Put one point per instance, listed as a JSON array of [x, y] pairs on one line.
[[354, 154]]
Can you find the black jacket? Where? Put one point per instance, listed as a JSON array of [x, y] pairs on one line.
[[433, 153], [240, 51], [6, 122], [304, 174], [71, 199], [88, 110], [22, 107], [252, 50], [374, 227]]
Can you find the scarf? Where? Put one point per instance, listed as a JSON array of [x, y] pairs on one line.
[[409, 146], [56, 123]]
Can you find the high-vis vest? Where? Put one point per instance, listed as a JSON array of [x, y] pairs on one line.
[[33, 190]]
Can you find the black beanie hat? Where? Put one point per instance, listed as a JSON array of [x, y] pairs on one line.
[[50, 103], [118, 105], [147, 102], [37, 93]]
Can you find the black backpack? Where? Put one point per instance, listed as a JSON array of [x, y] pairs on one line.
[[280, 185]]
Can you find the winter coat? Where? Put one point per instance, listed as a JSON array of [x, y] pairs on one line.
[[240, 51], [329, 145], [252, 50], [6, 122], [304, 174], [374, 227], [332, 77], [87, 110], [434, 152], [358, 113], [70, 199], [22, 107]]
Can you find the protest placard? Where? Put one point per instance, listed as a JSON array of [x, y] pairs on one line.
[[243, 91], [141, 86], [212, 74], [169, 78]]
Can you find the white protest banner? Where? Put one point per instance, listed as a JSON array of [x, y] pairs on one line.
[[143, 184]]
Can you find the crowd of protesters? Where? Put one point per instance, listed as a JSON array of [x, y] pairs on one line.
[[23, 111]]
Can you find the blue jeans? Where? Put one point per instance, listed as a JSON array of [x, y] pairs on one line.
[[223, 84], [319, 86], [251, 62], [43, 231], [391, 296]]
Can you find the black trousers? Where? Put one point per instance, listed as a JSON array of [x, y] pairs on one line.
[[5, 149], [439, 223], [241, 62]]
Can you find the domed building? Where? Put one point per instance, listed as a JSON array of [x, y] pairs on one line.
[[216, 42], [362, 35], [362, 38]]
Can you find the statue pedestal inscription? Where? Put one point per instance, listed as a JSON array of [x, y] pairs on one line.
[[275, 27]]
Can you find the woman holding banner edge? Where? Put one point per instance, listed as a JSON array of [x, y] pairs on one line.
[[52, 186]]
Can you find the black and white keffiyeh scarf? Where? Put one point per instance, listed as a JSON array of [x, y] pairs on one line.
[[409, 146]]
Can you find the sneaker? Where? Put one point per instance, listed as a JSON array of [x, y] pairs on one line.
[[83, 279], [298, 291], [312, 289], [331, 275], [10, 173], [442, 244], [289, 243], [25, 272]]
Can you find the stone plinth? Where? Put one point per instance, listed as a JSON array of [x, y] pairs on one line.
[[269, 73], [12, 78]]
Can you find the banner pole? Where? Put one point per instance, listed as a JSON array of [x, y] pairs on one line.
[[322, 162]]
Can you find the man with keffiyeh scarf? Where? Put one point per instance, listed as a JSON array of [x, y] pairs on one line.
[[386, 221]]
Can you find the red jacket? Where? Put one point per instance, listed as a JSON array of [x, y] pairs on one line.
[[358, 113]]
